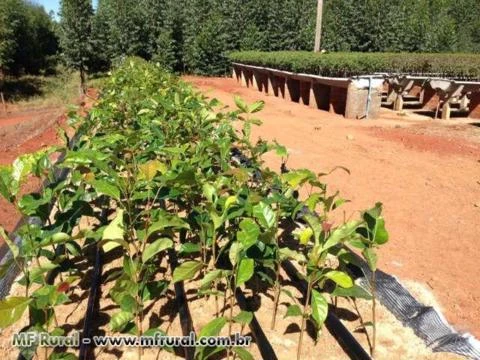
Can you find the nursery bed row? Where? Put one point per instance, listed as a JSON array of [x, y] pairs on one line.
[[454, 66], [159, 172]]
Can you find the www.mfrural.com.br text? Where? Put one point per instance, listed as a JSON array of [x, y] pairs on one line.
[[158, 339]]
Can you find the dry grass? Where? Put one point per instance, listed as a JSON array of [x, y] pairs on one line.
[[38, 92]]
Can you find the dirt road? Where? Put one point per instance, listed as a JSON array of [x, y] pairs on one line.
[[426, 172]]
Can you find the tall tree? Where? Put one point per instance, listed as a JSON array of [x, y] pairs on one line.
[[196, 35], [38, 40], [126, 28], [100, 40], [76, 29], [10, 20]]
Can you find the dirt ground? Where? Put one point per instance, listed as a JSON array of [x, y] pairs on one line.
[[426, 173], [26, 131], [22, 133], [394, 342]]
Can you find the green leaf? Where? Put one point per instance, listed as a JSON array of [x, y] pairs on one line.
[[316, 226], [189, 248], [216, 219], [113, 234], [242, 353], [242, 105], [265, 215], [304, 235], [48, 296], [11, 245], [340, 234], [244, 317], [357, 241], [256, 106], [214, 327], [149, 169], [312, 201], [234, 252], [34, 273], [210, 193], [6, 182], [167, 221], [245, 271], [119, 320], [186, 270], [83, 157], [57, 238], [12, 309], [381, 233], [298, 177], [130, 266], [371, 257], [281, 150], [294, 310], [376, 224], [340, 278], [124, 286], [319, 308], [36, 204], [103, 187], [347, 257], [231, 200], [211, 276], [286, 253], [355, 291], [154, 289], [155, 247], [248, 233], [22, 166]]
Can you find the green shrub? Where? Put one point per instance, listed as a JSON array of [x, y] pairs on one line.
[[459, 66]]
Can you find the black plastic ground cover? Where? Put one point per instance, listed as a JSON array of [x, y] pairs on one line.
[[264, 346], [346, 340], [426, 322]]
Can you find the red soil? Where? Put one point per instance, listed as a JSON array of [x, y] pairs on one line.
[[9, 217], [426, 172], [26, 132]]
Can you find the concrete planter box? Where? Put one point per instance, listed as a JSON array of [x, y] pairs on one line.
[[351, 97]]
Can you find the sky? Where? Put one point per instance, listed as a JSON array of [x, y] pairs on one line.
[[54, 5]]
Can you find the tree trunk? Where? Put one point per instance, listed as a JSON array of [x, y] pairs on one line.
[[83, 89], [2, 80]]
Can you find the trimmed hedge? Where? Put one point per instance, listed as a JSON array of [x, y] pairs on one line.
[[456, 66]]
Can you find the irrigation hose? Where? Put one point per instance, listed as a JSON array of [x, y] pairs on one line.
[[86, 350], [264, 346], [186, 321]]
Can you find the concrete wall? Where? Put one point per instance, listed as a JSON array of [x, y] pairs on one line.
[[356, 102], [316, 93]]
